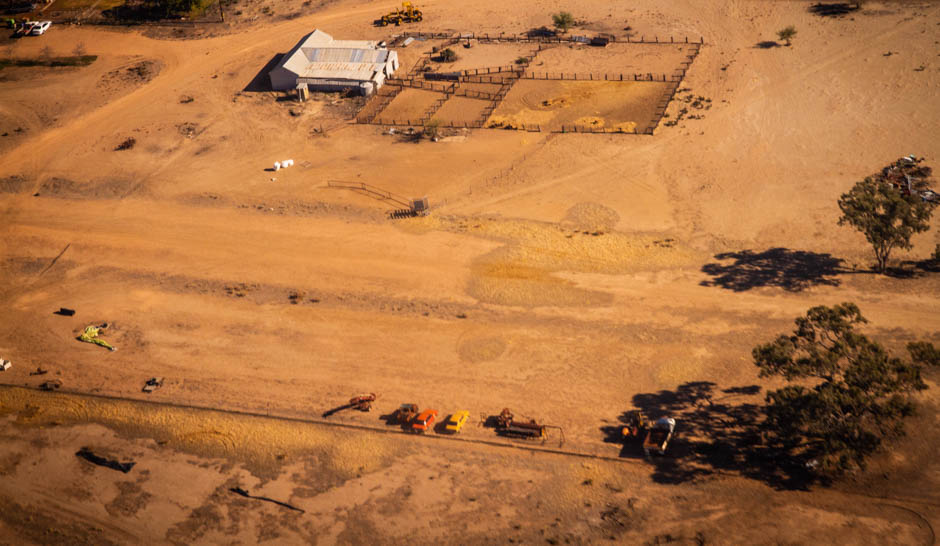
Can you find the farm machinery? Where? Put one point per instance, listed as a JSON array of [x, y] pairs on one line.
[[408, 13], [405, 414], [655, 435], [508, 425], [362, 402]]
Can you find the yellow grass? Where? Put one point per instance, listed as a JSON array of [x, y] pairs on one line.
[[261, 444], [522, 271]]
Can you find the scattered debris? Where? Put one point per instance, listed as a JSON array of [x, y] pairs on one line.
[[65, 312], [152, 384], [90, 335], [247, 495], [87, 454], [53, 385], [126, 145]]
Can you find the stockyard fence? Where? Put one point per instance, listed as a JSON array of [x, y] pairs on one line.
[[604, 130], [648, 77], [485, 37], [506, 76], [670, 92], [421, 123]]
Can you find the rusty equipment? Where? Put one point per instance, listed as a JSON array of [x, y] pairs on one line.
[[637, 423], [404, 414], [508, 425], [363, 402]]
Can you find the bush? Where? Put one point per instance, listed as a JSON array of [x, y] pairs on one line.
[[787, 34], [448, 55], [563, 20], [126, 145]]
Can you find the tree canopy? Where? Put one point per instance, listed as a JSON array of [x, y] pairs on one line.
[[563, 20], [886, 216], [849, 393], [787, 34]]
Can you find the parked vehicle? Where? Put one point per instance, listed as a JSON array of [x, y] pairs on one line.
[[424, 421], [457, 421], [405, 414], [658, 436], [40, 27]]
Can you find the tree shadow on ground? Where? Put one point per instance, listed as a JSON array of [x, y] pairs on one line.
[[792, 270], [715, 433], [834, 10], [914, 268], [766, 44]]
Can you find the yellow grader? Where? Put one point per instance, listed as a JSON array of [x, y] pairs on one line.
[[407, 14]]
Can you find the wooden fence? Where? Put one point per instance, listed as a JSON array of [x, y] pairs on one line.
[[670, 92], [603, 130], [648, 77]]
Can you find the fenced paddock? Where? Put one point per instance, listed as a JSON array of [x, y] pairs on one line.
[[460, 111], [566, 85], [410, 104]]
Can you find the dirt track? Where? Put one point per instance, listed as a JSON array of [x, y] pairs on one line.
[[566, 276]]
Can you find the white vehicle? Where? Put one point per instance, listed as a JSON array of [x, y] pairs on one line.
[[40, 27]]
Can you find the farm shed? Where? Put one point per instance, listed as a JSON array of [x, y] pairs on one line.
[[320, 63]]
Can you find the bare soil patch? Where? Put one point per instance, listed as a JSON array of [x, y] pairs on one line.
[[602, 105], [410, 104]]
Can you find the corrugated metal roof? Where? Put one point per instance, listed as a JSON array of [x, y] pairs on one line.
[[319, 56]]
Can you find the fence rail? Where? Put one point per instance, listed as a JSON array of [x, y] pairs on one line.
[[648, 77], [369, 188], [507, 76]]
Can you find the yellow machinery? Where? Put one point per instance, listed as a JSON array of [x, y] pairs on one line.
[[407, 14]]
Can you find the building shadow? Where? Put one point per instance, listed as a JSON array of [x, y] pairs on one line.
[[792, 270], [716, 432], [262, 82]]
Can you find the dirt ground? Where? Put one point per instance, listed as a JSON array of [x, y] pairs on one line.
[[553, 103], [615, 58], [568, 277], [410, 104], [459, 110]]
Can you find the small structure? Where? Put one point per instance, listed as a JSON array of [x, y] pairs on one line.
[[5, 365], [600, 41], [320, 63], [420, 206]]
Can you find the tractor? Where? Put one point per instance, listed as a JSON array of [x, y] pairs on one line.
[[407, 14], [405, 414]]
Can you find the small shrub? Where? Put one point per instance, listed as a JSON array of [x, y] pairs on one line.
[[126, 145], [786, 34], [563, 20], [448, 55], [522, 60]]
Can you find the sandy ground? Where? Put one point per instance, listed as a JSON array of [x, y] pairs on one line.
[[569, 277], [551, 104]]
